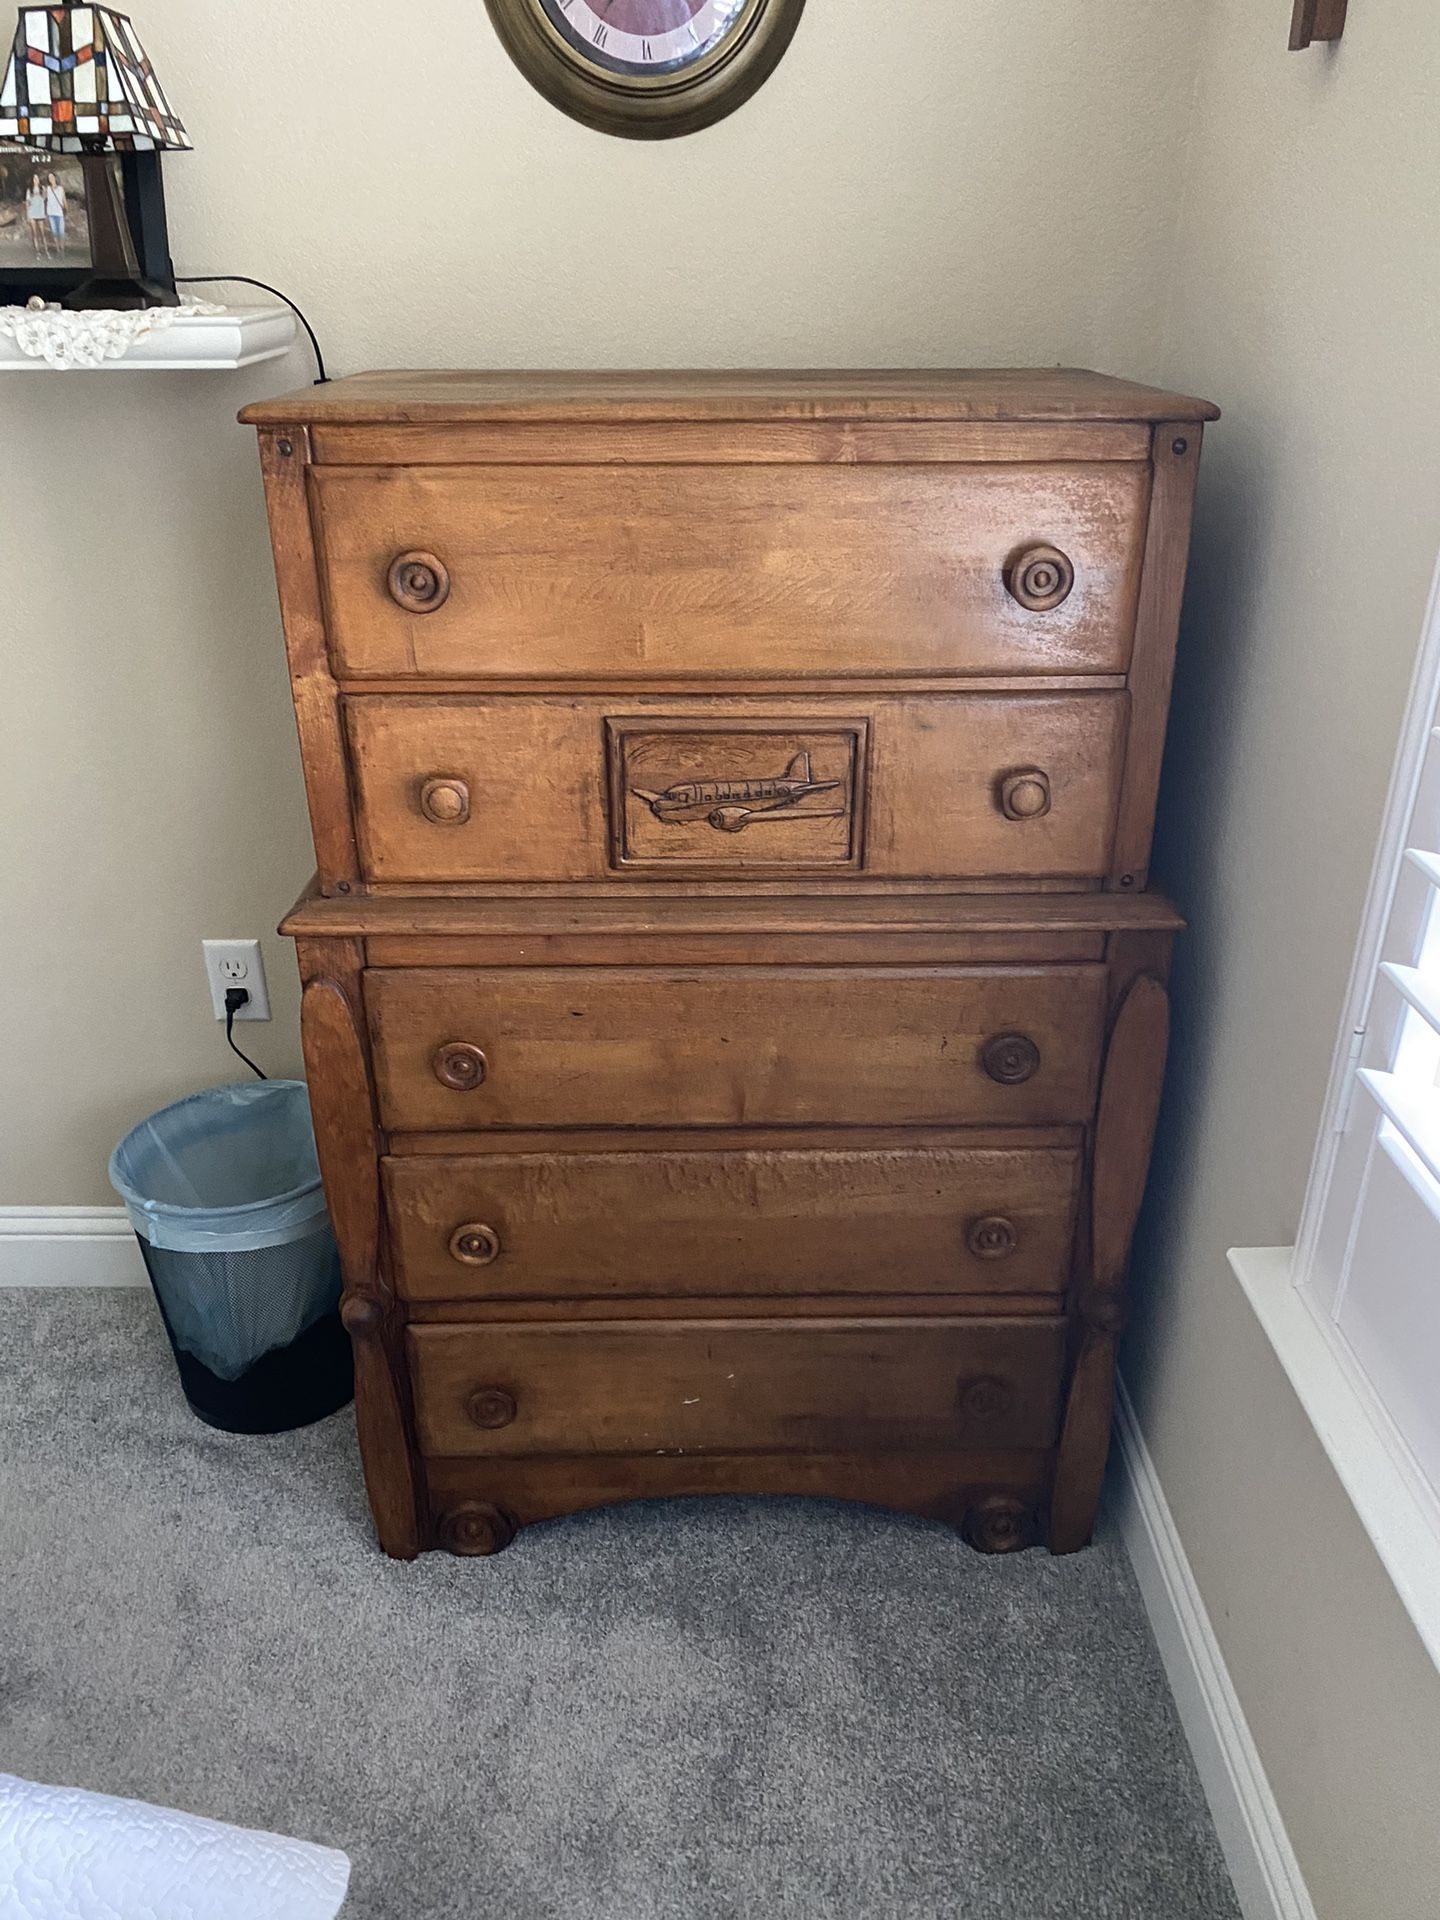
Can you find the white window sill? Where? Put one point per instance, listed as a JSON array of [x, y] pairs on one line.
[[1370, 1461]]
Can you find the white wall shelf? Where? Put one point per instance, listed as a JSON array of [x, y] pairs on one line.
[[237, 337]]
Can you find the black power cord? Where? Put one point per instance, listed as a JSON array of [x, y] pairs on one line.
[[216, 279], [235, 998]]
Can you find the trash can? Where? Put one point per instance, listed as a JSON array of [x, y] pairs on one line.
[[223, 1191]]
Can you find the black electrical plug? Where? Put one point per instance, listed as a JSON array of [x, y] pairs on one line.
[[235, 999]]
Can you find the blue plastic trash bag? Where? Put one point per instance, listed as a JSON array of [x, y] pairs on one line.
[[224, 1191]]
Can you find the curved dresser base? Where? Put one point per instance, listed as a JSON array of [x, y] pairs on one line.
[[994, 1499]]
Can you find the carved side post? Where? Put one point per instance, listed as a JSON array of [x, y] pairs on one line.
[[1124, 1133], [1175, 459], [284, 461], [348, 1143]]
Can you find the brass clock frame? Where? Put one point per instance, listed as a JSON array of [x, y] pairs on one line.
[[647, 106]]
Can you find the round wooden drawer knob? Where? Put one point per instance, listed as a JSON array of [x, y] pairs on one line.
[[418, 582], [474, 1245], [992, 1238], [474, 1527], [1025, 795], [460, 1066], [490, 1407], [985, 1399], [446, 802], [1040, 578], [1010, 1058]]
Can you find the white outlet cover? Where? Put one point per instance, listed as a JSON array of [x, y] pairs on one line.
[[237, 963]]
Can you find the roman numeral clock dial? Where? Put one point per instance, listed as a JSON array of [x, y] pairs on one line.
[[643, 36], [648, 69]]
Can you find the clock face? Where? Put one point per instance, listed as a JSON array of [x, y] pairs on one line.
[[647, 69], [639, 38]]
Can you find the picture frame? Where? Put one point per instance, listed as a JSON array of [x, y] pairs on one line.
[[22, 278]]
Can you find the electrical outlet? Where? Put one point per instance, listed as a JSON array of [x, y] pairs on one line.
[[236, 963]]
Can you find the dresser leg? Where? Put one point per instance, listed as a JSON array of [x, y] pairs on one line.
[[1000, 1523], [381, 1426], [474, 1527], [1084, 1445], [348, 1143]]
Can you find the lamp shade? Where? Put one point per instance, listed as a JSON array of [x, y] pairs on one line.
[[78, 81]]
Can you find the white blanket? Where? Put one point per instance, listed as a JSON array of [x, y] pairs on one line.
[[70, 1855]]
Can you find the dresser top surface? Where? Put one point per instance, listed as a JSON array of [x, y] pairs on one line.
[[439, 397]]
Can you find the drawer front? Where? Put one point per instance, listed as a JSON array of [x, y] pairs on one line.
[[725, 1386], [611, 1224], [999, 788], [735, 1046], [681, 572]]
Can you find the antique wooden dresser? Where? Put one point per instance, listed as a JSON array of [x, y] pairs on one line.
[[733, 1005]]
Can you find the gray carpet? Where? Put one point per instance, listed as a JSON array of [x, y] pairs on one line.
[[689, 1711]]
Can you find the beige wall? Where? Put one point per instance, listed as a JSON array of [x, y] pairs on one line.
[[894, 197], [1306, 300], [1009, 193]]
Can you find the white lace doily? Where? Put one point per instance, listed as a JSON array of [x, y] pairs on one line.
[[64, 340]]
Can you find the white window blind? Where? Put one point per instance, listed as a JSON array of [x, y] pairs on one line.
[[1368, 1257]]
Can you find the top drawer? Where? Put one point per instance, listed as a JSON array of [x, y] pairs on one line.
[[646, 573]]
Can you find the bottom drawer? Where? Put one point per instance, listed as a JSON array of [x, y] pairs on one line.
[[703, 1386]]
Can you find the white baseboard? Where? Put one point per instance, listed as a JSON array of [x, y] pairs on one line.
[[68, 1247], [1262, 1863]]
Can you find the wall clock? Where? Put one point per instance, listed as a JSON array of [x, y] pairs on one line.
[[648, 69]]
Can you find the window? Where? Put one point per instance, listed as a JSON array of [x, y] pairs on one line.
[[1368, 1257]]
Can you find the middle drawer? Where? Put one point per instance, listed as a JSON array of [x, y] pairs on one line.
[[977, 787], [735, 1046], [919, 1214]]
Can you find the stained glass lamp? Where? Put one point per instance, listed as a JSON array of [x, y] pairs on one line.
[[78, 81]]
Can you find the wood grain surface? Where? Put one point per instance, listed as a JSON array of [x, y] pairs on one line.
[[918, 782], [720, 1386], [763, 443], [1129, 1105], [1167, 551], [645, 917], [755, 1220], [436, 397], [284, 458], [632, 573], [346, 1144], [622, 1046], [734, 1006]]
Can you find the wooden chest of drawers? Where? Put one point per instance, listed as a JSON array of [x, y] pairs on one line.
[[733, 1006]]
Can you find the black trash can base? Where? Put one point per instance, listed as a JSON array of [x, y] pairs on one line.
[[306, 1380]]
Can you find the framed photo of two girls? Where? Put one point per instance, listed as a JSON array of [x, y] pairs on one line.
[[45, 225]]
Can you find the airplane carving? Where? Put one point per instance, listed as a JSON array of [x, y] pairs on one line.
[[731, 805]]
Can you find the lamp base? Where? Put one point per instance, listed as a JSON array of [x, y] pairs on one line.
[[119, 293], [115, 281]]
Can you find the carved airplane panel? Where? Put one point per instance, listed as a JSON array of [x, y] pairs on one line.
[[731, 805], [687, 792]]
